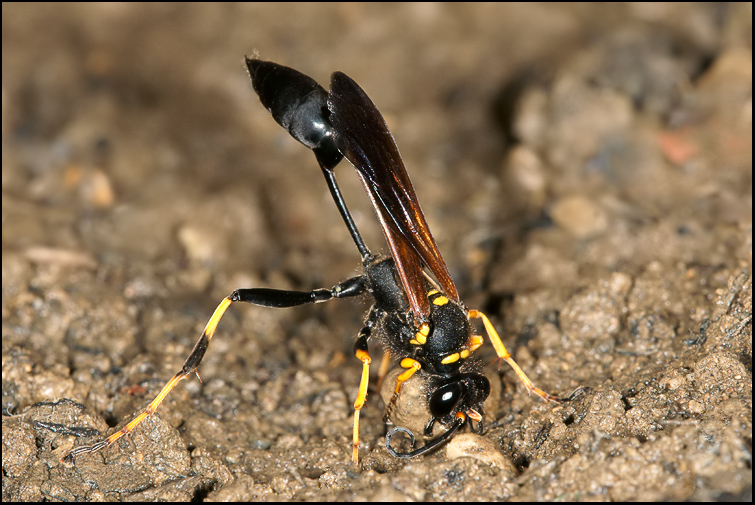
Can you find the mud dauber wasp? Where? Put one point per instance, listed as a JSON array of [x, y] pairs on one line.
[[419, 320]]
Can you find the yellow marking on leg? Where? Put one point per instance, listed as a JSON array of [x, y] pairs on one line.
[[189, 366], [151, 408], [474, 415], [503, 353], [421, 336], [212, 324], [475, 341], [451, 358], [364, 357], [384, 364], [355, 439], [411, 368]]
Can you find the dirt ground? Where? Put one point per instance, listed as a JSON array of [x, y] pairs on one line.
[[586, 171]]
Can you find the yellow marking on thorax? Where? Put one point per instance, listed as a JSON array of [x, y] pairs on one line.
[[440, 301]]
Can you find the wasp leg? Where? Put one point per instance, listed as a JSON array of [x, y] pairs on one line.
[[412, 366], [500, 349], [361, 351], [335, 192], [257, 296], [384, 364]]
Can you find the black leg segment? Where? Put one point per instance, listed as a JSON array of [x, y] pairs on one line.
[[281, 298]]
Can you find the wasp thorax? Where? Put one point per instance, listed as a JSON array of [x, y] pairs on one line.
[[450, 330]]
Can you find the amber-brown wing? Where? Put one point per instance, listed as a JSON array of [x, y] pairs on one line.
[[363, 137]]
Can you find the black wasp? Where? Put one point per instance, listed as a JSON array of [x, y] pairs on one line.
[[418, 320]]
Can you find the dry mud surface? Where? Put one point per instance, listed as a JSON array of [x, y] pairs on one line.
[[586, 171]]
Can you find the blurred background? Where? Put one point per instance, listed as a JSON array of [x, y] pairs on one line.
[[586, 170]]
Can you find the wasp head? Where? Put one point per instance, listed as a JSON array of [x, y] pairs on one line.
[[449, 400]]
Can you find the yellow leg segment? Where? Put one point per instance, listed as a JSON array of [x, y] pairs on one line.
[[189, 367], [411, 368], [384, 364], [503, 353], [364, 357]]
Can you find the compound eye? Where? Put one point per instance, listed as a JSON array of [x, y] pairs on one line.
[[443, 401]]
